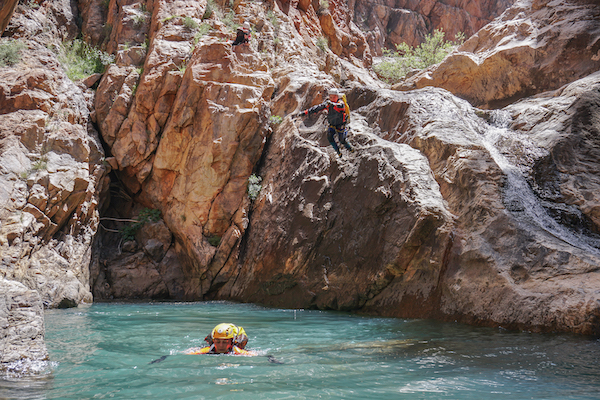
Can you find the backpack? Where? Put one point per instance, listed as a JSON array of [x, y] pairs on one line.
[[346, 108]]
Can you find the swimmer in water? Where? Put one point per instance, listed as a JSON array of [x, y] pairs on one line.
[[225, 339]]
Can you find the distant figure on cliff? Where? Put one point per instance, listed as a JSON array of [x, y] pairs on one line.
[[338, 114], [224, 339], [243, 35]]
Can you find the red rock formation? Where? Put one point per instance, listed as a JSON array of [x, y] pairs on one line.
[[535, 46], [409, 21]]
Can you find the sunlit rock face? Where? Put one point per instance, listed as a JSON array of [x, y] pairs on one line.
[[408, 21], [51, 174], [333, 232], [22, 347], [535, 46]]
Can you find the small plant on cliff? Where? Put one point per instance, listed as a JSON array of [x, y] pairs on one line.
[[10, 52], [39, 165], [272, 17], [275, 119], [139, 19], [203, 29], [214, 240], [190, 24], [323, 6], [407, 58], [210, 8], [81, 60], [322, 43], [145, 215], [229, 20], [254, 186]]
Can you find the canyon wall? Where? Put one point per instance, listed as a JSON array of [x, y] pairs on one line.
[[139, 189]]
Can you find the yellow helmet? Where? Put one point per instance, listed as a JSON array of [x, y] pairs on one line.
[[223, 331]]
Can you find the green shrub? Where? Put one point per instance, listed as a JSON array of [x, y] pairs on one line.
[[139, 19], [214, 240], [203, 29], [229, 20], [322, 43], [39, 165], [406, 58], [254, 186], [10, 52], [272, 17], [210, 8], [275, 119], [189, 23], [145, 215], [81, 60]]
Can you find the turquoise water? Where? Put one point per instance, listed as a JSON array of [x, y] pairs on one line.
[[103, 351]]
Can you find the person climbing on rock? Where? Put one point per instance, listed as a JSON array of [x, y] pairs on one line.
[[338, 115], [224, 339], [243, 35]]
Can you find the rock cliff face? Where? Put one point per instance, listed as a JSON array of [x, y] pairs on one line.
[[51, 170], [444, 210]]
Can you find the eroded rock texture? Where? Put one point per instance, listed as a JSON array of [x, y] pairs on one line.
[[442, 212]]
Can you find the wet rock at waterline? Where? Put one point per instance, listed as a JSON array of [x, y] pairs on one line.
[[22, 347]]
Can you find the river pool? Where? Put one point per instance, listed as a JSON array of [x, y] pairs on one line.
[[103, 351]]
